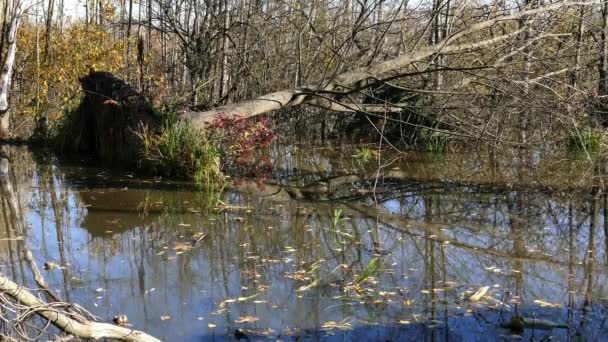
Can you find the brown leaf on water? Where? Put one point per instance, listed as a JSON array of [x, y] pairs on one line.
[[250, 273], [227, 301], [309, 286], [182, 247], [258, 332], [344, 325], [198, 237], [219, 311], [300, 275], [247, 319], [547, 304]]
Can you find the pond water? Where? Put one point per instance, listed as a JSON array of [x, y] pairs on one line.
[[317, 254]]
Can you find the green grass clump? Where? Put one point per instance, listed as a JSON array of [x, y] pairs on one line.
[[363, 155], [434, 141], [184, 151], [586, 140]]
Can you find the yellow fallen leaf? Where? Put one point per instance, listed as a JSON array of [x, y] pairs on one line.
[[478, 294], [334, 325], [547, 304], [247, 319], [227, 301]]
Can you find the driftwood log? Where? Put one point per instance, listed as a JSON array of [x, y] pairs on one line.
[[83, 330]]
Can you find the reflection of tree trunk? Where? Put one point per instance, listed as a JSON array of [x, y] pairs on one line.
[[430, 265], [516, 214], [57, 210], [593, 222], [605, 197], [570, 266], [16, 231], [9, 210]]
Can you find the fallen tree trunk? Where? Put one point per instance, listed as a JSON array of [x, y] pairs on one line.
[[85, 330], [385, 70]]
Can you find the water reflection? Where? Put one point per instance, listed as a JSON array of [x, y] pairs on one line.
[[271, 265]]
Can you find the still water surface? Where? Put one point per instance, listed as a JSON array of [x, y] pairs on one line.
[[292, 261]]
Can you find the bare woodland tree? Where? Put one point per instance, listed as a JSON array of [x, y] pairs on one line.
[[11, 17], [457, 67], [464, 67]]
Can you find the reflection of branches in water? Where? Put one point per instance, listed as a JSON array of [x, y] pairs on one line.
[[245, 253]]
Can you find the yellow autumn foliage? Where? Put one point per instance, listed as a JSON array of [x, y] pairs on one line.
[[50, 80]]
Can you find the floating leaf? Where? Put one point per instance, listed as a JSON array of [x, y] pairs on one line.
[[243, 299], [309, 286], [547, 304], [227, 301], [247, 319], [344, 325], [180, 247], [478, 294]]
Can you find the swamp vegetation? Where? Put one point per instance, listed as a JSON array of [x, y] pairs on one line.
[[303, 170]]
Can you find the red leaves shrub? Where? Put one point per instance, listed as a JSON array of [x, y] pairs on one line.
[[246, 144]]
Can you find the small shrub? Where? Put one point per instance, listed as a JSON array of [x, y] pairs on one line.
[[246, 145], [586, 140]]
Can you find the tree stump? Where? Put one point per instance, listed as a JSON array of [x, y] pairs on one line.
[[107, 119]]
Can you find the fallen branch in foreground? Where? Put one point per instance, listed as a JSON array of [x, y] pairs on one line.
[[63, 321]]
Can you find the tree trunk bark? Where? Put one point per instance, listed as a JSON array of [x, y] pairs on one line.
[[7, 70], [577, 56], [602, 88], [49, 23]]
